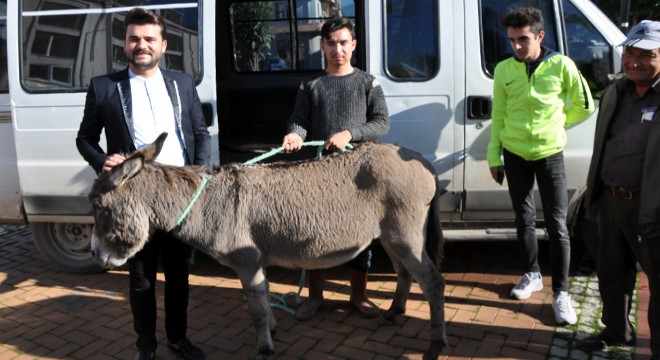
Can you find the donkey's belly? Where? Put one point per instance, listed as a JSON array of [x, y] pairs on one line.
[[314, 261]]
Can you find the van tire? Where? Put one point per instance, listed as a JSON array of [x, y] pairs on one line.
[[66, 245]]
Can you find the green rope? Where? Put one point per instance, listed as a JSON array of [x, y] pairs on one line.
[[191, 259], [194, 198], [283, 299], [278, 150]]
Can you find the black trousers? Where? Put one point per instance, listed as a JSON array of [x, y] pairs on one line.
[[142, 270], [619, 251], [550, 176]]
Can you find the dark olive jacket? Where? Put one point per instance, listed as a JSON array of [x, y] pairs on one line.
[[649, 208]]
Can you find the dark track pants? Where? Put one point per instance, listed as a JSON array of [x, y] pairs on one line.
[[142, 278], [619, 251]]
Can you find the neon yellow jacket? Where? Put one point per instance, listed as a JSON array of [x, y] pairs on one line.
[[530, 112]]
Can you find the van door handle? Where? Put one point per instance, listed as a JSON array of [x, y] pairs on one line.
[[480, 107]]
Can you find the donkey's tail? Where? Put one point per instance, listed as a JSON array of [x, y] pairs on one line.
[[435, 240]]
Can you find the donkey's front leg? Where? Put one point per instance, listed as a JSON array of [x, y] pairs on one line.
[[255, 286]]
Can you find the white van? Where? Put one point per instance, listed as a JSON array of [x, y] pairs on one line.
[[434, 59]]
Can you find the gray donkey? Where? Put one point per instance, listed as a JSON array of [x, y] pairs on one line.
[[300, 215]]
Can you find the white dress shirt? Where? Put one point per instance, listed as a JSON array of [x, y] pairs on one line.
[[153, 114]]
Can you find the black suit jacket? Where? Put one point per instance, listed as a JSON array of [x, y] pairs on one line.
[[108, 105]]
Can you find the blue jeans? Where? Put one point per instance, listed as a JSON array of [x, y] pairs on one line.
[[551, 178], [362, 262]]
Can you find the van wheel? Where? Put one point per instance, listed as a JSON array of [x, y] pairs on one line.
[[66, 245]]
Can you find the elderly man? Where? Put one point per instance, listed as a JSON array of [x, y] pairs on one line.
[[624, 190]]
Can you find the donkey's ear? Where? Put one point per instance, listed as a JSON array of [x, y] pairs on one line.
[[152, 150], [126, 170]]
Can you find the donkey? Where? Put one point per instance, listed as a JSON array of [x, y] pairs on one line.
[[301, 215]]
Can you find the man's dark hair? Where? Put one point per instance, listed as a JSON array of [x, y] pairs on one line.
[[521, 17], [335, 24], [139, 16]]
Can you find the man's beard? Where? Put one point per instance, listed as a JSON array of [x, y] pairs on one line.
[[144, 66]]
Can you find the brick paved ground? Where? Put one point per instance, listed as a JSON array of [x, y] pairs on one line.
[[47, 314]]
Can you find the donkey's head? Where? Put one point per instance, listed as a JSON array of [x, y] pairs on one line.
[[121, 221]]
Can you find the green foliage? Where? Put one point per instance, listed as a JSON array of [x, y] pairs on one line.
[[252, 33], [639, 10]]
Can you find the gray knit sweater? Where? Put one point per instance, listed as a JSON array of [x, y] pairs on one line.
[[330, 104]]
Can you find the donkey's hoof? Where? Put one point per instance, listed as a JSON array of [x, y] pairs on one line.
[[434, 350], [260, 356]]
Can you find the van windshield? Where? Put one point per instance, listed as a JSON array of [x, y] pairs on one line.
[[65, 44]]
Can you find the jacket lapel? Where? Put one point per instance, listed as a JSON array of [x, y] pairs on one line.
[[124, 90], [175, 96]]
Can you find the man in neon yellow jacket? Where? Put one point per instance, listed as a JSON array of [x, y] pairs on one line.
[[536, 94]]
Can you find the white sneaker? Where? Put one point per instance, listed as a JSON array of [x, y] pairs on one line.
[[564, 312], [530, 282]]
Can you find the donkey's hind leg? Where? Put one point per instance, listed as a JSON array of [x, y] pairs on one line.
[[403, 283], [255, 286], [433, 286]]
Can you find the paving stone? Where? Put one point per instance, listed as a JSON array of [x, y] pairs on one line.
[[560, 343], [558, 352]]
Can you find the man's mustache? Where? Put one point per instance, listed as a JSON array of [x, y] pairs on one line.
[[141, 52]]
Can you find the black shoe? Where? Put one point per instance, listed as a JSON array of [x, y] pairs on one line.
[[145, 355], [600, 342], [187, 350]]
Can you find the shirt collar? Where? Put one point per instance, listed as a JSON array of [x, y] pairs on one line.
[[656, 85], [157, 76]]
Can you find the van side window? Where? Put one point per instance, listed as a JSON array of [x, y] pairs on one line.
[[495, 45], [279, 35], [4, 84], [65, 44], [411, 44], [588, 48]]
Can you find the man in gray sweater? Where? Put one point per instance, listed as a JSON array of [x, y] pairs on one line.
[[343, 105]]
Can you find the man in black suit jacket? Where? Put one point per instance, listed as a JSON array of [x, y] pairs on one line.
[[134, 106]]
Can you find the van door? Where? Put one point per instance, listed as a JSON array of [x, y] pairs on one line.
[[421, 69], [488, 43], [10, 192], [587, 39]]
